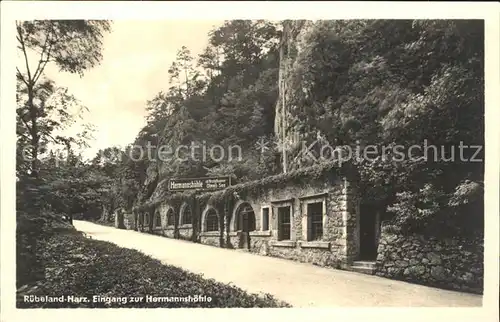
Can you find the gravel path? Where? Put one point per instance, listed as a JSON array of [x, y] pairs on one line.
[[301, 285]]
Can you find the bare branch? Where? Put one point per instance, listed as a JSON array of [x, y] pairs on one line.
[[21, 76], [23, 48]]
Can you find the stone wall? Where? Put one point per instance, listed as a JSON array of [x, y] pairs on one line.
[[339, 230], [128, 221], [211, 238], [169, 232], [447, 263], [119, 219], [337, 247], [185, 232]]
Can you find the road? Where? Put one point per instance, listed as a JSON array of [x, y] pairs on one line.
[[299, 284]]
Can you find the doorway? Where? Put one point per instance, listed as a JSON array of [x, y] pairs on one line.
[[368, 233], [245, 223]]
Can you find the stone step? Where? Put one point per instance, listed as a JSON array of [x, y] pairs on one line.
[[363, 269], [369, 264]]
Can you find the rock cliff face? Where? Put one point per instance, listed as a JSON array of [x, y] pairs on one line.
[[290, 47], [286, 127]]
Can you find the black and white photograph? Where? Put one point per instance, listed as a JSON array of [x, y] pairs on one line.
[[249, 163]]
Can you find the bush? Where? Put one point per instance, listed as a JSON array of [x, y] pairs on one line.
[[78, 266], [32, 232], [432, 211]]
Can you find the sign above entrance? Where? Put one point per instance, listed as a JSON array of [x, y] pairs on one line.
[[206, 183]]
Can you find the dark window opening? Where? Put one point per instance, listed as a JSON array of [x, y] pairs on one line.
[[212, 221], [186, 216], [315, 220], [265, 218], [158, 220], [245, 219], [284, 232], [170, 218]]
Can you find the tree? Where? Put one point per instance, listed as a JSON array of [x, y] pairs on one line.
[[73, 45]]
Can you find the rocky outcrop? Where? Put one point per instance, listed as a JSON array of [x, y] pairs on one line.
[[288, 128], [447, 263], [292, 43]]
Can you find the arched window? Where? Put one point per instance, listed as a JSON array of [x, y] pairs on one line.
[[212, 220], [170, 217], [157, 219], [245, 218], [186, 217]]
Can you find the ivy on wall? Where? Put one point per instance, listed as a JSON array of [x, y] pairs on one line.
[[224, 200]]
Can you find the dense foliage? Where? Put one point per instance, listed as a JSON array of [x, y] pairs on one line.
[[400, 84], [51, 179], [81, 267], [226, 98]]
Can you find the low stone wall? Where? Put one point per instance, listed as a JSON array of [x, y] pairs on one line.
[[210, 238], [170, 232], [307, 252], [185, 233], [234, 241], [128, 221], [318, 253], [447, 263], [158, 231], [260, 245]]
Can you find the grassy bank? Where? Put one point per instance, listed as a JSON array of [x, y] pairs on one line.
[[76, 266]]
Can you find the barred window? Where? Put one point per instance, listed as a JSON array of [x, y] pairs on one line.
[[186, 216], [170, 217], [315, 221], [284, 231], [158, 220], [212, 220]]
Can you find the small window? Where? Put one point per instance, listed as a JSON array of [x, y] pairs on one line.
[[158, 220], [170, 217], [284, 223], [265, 218], [315, 220], [212, 221], [186, 216]]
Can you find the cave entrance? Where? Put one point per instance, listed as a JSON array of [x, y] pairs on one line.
[[369, 229]]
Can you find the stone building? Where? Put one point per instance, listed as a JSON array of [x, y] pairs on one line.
[[313, 220], [316, 224]]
